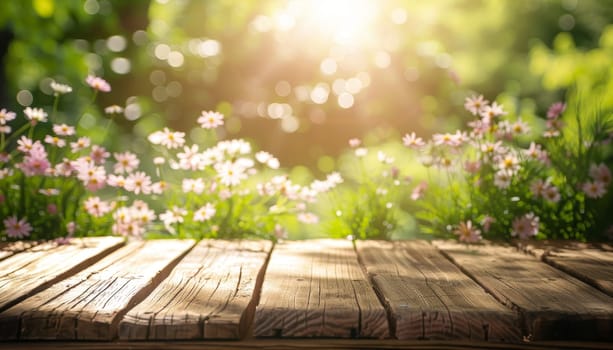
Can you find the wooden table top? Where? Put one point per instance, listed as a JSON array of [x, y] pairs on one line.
[[305, 294]]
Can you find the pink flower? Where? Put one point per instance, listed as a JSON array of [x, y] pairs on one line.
[[51, 209], [35, 164], [474, 104], [167, 138], [98, 83], [600, 173], [190, 159], [17, 228], [99, 154], [81, 143], [508, 162], [555, 110], [210, 120], [308, 218], [56, 141], [525, 226], [6, 116], [538, 187], [487, 222], [552, 194], [138, 182], [126, 162], [355, 142], [96, 207], [502, 179], [63, 130], [446, 139], [536, 152], [116, 181], [491, 112], [92, 176], [205, 213], [594, 189], [467, 233], [411, 140], [419, 190], [472, 167], [25, 145]]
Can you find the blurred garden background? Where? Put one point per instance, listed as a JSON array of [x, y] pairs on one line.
[[299, 78]]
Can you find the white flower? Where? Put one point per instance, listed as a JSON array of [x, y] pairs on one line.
[[210, 120], [35, 114], [60, 89], [205, 213]]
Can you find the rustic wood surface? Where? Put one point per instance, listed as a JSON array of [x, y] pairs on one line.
[[430, 298], [316, 288], [89, 304], [320, 344], [36, 268], [588, 262], [209, 294], [552, 304]]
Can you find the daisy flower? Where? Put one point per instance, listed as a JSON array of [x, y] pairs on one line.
[[210, 119], [17, 228], [600, 173], [6, 116], [113, 109], [60, 89], [355, 142], [98, 83], [474, 104], [555, 110], [127, 162], [594, 189], [467, 233], [63, 130], [35, 114], [138, 182], [525, 226], [205, 213], [167, 138], [411, 140]]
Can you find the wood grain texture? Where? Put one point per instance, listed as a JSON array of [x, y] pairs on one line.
[[553, 304], [90, 304], [320, 344], [587, 262], [316, 288], [430, 298], [210, 294], [32, 270]]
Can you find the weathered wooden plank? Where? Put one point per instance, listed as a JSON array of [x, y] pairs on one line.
[[553, 304], [321, 343], [430, 298], [584, 261], [316, 288], [10, 248], [90, 304], [38, 267], [210, 294]]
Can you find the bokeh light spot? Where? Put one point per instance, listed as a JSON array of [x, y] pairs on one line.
[[283, 88], [290, 124], [91, 7], [175, 59], [121, 65], [24, 98], [328, 66], [116, 43], [345, 100]]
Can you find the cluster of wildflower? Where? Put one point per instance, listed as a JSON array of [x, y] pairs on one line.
[[496, 167], [59, 183], [40, 178]]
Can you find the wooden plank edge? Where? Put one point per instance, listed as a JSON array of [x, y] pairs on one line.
[[72, 271], [106, 331], [391, 320], [246, 325], [275, 344], [543, 254]]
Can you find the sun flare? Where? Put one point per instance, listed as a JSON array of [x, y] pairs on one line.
[[347, 22]]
